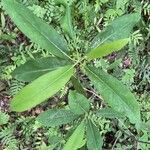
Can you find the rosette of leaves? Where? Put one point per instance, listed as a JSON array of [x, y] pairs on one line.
[[49, 75]]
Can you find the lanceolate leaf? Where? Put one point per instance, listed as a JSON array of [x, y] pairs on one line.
[[66, 22], [41, 89], [35, 28], [119, 30], [35, 68], [56, 117], [109, 113], [107, 48], [94, 139], [115, 93], [76, 139], [78, 103]]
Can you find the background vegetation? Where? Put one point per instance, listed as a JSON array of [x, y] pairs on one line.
[[131, 66]]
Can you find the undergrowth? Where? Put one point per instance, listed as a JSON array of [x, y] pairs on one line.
[[17, 131]]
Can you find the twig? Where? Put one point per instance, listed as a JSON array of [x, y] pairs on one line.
[[93, 92], [115, 141]]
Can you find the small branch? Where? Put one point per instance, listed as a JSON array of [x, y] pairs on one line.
[[93, 92], [115, 141]]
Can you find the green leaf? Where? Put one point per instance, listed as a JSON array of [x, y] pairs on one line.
[[94, 139], [35, 68], [66, 22], [117, 95], [114, 37], [36, 29], [41, 89], [76, 139], [56, 117], [109, 113], [145, 126], [78, 103], [107, 48], [77, 85]]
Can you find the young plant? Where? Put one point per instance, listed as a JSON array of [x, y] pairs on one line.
[[49, 75]]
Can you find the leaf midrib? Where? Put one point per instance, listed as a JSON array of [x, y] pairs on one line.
[[78, 102], [39, 70]]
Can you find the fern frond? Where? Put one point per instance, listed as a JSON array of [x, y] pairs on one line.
[[3, 118], [136, 37], [133, 54], [8, 140], [16, 86], [146, 8]]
